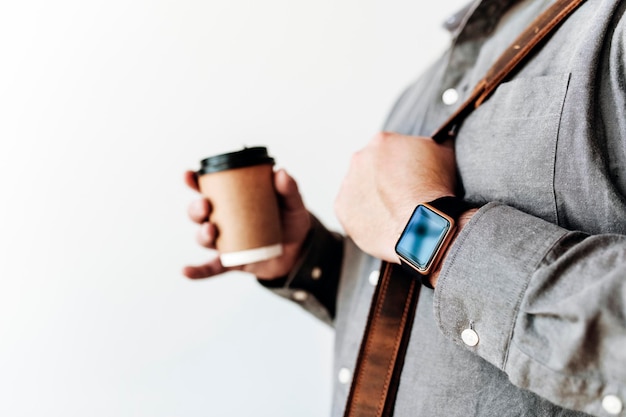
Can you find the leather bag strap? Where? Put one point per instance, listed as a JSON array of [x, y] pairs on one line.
[[510, 59], [381, 356]]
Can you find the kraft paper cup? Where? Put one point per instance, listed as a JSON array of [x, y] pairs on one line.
[[240, 187]]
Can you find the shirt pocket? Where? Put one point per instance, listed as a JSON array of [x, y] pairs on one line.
[[506, 148]]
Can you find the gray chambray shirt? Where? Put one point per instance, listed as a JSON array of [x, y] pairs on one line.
[[539, 274]]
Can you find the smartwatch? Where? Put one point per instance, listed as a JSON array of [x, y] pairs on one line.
[[428, 233]]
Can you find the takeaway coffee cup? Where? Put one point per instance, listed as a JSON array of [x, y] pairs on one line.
[[240, 187]]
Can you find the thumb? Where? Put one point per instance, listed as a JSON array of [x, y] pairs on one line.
[[288, 193]]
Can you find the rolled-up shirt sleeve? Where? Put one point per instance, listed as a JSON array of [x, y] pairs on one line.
[[545, 305]]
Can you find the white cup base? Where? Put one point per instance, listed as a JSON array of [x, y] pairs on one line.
[[250, 256]]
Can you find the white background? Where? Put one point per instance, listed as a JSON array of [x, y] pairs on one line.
[[103, 106]]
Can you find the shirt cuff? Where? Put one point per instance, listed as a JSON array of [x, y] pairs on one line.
[[485, 276], [314, 280]]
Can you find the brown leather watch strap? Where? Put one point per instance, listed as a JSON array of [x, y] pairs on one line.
[[381, 356]]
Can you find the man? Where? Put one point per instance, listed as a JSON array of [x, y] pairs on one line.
[[528, 312]]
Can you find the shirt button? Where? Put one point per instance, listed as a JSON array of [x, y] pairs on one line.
[[470, 337], [373, 278], [612, 404], [300, 295], [450, 96], [316, 273], [344, 376]]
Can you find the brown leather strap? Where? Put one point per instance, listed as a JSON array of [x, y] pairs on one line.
[[510, 59], [382, 350], [381, 356]]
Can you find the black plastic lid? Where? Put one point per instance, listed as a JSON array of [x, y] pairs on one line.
[[239, 159]]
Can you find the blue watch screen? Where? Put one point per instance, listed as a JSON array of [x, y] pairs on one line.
[[422, 236]]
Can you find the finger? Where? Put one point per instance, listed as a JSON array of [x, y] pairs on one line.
[[288, 192], [206, 270], [206, 235], [191, 179], [199, 210]]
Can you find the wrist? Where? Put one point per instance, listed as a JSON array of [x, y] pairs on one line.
[[463, 219], [295, 244], [428, 233]]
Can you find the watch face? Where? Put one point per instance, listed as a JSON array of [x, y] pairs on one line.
[[422, 237]]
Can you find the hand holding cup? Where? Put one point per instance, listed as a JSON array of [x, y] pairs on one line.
[[254, 217]]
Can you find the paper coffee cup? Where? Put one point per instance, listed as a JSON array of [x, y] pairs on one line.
[[244, 206]]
